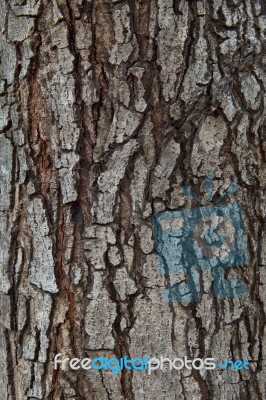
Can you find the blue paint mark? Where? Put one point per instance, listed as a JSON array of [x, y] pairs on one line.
[[205, 238]]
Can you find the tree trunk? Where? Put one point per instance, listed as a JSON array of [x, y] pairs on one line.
[[108, 109]]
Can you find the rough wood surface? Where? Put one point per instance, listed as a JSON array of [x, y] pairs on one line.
[[107, 108]]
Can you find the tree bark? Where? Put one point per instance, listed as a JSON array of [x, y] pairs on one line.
[[108, 108]]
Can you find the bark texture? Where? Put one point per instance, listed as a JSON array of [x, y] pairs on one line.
[[108, 107]]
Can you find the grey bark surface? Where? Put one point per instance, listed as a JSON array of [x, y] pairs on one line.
[[107, 109]]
